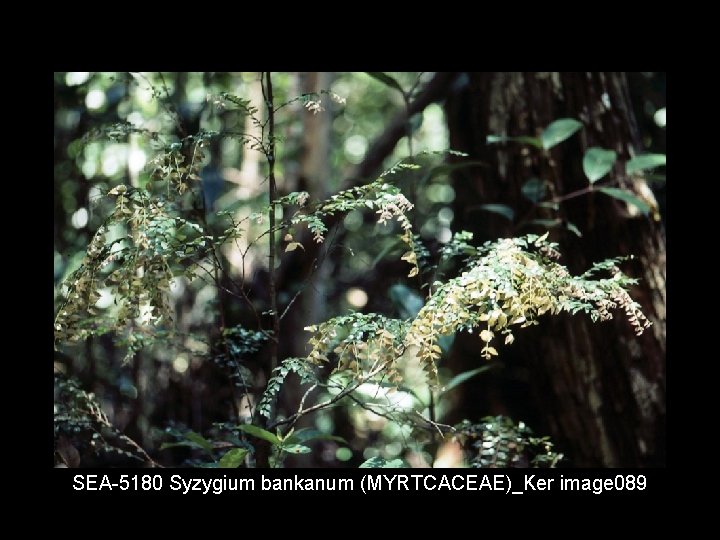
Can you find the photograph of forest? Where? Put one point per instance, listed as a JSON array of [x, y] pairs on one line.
[[359, 269]]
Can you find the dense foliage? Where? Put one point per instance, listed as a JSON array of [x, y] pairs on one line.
[[162, 233]]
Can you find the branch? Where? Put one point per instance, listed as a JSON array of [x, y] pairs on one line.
[[302, 412], [434, 91], [441, 428], [368, 408], [140, 450], [348, 390], [383, 146]]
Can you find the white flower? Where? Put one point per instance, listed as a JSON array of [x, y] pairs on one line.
[[337, 99], [302, 198], [314, 106]]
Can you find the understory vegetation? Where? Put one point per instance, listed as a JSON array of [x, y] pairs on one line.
[[185, 280]]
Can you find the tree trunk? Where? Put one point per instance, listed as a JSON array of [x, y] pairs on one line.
[[597, 389]]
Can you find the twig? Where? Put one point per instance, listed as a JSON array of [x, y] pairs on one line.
[[562, 198], [349, 389], [302, 289], [383, 146], [302, 412], [368, 408], [441, 428], [306, 394], [267, 91], [170, 107]]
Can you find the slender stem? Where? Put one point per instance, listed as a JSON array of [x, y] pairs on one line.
[[587, 189], [270, 154], [574, 194], [217, 267], [408, 127], [431, 410], [562, 198]]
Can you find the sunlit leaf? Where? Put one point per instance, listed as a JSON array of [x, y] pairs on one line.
[[573, 228], [558, 131], [597, 162], [549, 204], [295, 449], [534, 141], [409, 256], [233, 459], [647, 161], [292, 246], [260, 433], [378, 462], [198, 439], [628, 197]]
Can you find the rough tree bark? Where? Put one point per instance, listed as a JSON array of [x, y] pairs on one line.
[[599, 389]]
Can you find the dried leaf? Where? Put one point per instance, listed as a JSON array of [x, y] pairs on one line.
[[486, 335], [292, 246]]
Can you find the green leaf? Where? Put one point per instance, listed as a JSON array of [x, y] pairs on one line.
[[260, 433], [387, 80], [534, 141], [558, 131], [292, 246], [572, 228], [189, 444], [381, 463], [308, 434], [201, 441], [295, 449], [457, 380], [549, 204], [501, 209], [233, 459], [549, 223], [647, 161], [598, 162], [533, 190], [628, 197]]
